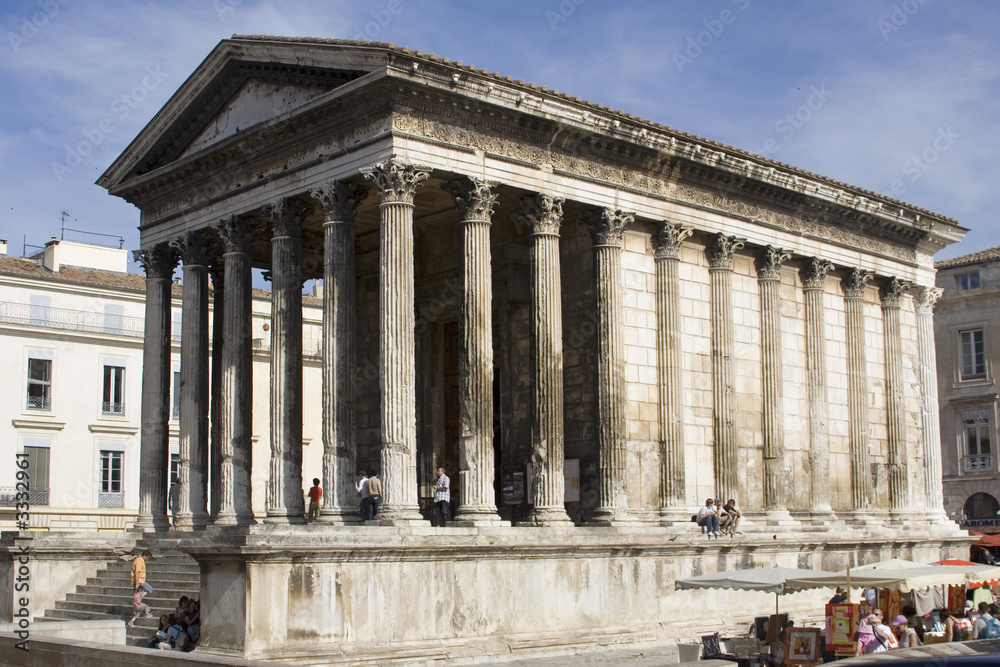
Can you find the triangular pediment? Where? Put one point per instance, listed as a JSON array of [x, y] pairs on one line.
[[255, 102]]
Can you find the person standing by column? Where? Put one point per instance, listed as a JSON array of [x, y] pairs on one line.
[[315, 493], [138, 576], [442, 499]]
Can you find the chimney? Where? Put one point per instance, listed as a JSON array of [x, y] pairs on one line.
[[3, 247]]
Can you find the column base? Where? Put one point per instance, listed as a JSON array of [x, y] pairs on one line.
[[550, 517], [674, 516], [477, 516], [339, 516], [779, 519], [866, 518], [233, 519], [284, 517], [610, 516], [822, 516], [184, 521], [398, 516]]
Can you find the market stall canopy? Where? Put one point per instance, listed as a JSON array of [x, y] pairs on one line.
[[904, 578], [985, 540], [768, 579]]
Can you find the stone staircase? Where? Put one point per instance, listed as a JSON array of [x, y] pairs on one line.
[[171, 573]]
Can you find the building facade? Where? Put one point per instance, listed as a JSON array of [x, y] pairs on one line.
[[71, 327], [967, 334]]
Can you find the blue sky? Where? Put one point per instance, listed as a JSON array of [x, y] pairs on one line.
[[898, 96]]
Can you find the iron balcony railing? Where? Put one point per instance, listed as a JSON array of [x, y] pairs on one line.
[[979, 463], [117, 409], [39, 403], [73, 320], [8, 497]]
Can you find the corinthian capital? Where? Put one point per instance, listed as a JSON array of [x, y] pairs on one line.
[[543, 213], [722, 249], [193, 248], [668, 238], [474, 197], [769, 261], [892, 290], [397, 181], [158, 261], [814, 273], [340, 200], [286, 217], [855, 282], [236, 233], [925, 297], [607, 226]]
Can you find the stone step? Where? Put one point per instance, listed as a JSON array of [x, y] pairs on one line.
[[166, 602], [163, 578], [125, 592]]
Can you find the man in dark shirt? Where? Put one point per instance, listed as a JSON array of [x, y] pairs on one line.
[[839, 597]]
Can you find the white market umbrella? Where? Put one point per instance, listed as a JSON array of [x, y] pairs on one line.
[[767, 579]]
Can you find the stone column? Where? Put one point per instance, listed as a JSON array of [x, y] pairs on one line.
[[154, 447], [216, 270], [930, 436], [666, 251], [544, 215], [237, 376], [891, 292], [857, 391], [720, 253], [284, 491], [607, 228], [193, 440], [776, 474], [813, 279], [477, 505], [340, 202], [397, 183]]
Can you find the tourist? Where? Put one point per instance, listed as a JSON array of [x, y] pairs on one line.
[[371, 503], [884, 637], [731, 516], [865, 634], [181, 610], [362, 478], [139, 608], [161, 635], [174, 500], [442, 499], [708, 518], [315, 493], [138, 576], [907, 636], [193, 616], [362, 486], [838, 596], [952, 630]]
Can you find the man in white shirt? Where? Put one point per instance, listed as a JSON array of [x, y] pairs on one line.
[[442, 500]]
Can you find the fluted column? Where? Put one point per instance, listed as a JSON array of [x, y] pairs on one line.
[[720, 267], [544, 216], [284, 491], [666, 251], [607, 228], [193, 441], [217, 271], [477, 505], [340, 202], [930, 436], [891, 292], [813, 279], [397, 183], [776, 474], [237, 376], [154, 447], [857, 390]]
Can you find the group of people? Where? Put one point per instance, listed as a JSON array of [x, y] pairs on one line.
[[718, 518], [180, 630], [874, 636], [370, 494]]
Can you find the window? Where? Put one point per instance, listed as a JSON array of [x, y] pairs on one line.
[[114, 319], [973, 353], [175, 468], [38, 471], [39, 384], [176, 410], [967, 281], [111, 479], [981, 506], [976, 430], [114, 390]]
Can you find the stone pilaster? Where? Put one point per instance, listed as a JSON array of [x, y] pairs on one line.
[[193, 440], [777, 477], [666, 251], [154, 448], [930, 436], [477, 506], [543, 214], [891, 292], [720, 254], [857, 391], [237, 376], [340, 202], [217, 271], [813, 280], [397, 183], [607, 229], [284, 491]]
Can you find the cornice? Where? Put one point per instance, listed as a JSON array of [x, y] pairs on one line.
[[113, 429], [38, 424], [72, 287]]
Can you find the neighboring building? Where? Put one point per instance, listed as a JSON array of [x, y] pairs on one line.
[[71, 332], [967, 336]]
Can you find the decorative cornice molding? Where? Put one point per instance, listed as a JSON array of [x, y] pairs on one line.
[[397, 181], [892, 290], [769, 261], [667, 239], [722, 249], [474, 197], [38, 424], [113, 429], [158, 261], [855, 282], [340, 200], [607, 226], [925, 297], [542, 213], [814, 273]]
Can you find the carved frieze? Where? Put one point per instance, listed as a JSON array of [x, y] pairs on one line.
[[542, 213], [396, 180], [607, 226], [667, 239], [814, 273], [769, 261], [474, 197], [158, 261], [856, 281], [721, 250]]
